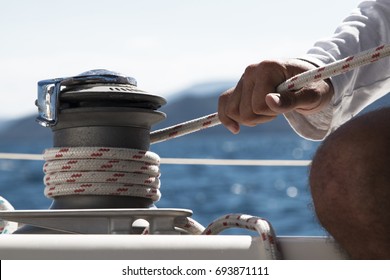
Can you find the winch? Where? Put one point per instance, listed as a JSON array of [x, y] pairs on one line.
[[97, 109]]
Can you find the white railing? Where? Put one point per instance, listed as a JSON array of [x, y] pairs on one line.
[[188, 161]]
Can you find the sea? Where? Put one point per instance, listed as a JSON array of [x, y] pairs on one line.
[[278, 194]]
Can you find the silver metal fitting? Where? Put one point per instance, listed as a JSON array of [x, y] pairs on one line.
[[49, 91]]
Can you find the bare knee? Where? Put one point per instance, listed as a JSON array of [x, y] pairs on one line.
[[350, 185]]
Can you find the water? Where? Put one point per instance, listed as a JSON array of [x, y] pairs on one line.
[[279, 194]]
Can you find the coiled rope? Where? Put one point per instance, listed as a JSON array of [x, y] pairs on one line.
[[101, 171]]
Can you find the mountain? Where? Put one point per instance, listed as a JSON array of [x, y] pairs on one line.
[[24, 135]]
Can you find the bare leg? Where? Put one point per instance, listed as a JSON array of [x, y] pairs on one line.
[[350, 185]]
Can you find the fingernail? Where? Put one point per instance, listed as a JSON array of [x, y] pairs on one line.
[[276, 98], [234, 128]]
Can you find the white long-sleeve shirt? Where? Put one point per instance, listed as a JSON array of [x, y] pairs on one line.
[[366, 27]]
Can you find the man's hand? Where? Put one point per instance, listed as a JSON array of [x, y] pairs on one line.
[[254, 100]]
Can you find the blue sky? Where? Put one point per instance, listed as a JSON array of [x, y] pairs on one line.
[[166, 45]]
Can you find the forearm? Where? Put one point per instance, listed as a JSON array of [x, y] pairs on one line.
[[367, 27]]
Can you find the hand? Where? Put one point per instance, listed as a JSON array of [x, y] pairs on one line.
[[254, 99]]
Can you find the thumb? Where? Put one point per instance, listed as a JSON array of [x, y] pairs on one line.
[[274, 103], [303, 100]]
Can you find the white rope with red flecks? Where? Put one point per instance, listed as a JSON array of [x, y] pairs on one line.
[[184, 128], [101, 171], [261, 226], [297, 82]]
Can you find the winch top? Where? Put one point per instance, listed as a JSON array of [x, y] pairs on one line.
[[94, 88]]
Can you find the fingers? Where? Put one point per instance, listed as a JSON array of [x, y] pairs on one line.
[[235, 108], [245, 104], [246, 114], [270, 75], [223, 114]]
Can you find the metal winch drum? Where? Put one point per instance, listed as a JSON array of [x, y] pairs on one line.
[[98, 108]]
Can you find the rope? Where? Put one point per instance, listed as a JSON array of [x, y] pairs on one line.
[[336, 68], [101, 171], [184, 128], [261, 226], [189, 225], [294, 83]]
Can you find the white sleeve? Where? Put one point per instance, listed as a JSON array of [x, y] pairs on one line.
[[367, 27]]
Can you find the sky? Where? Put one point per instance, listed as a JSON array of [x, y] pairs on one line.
[[166, 45]]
